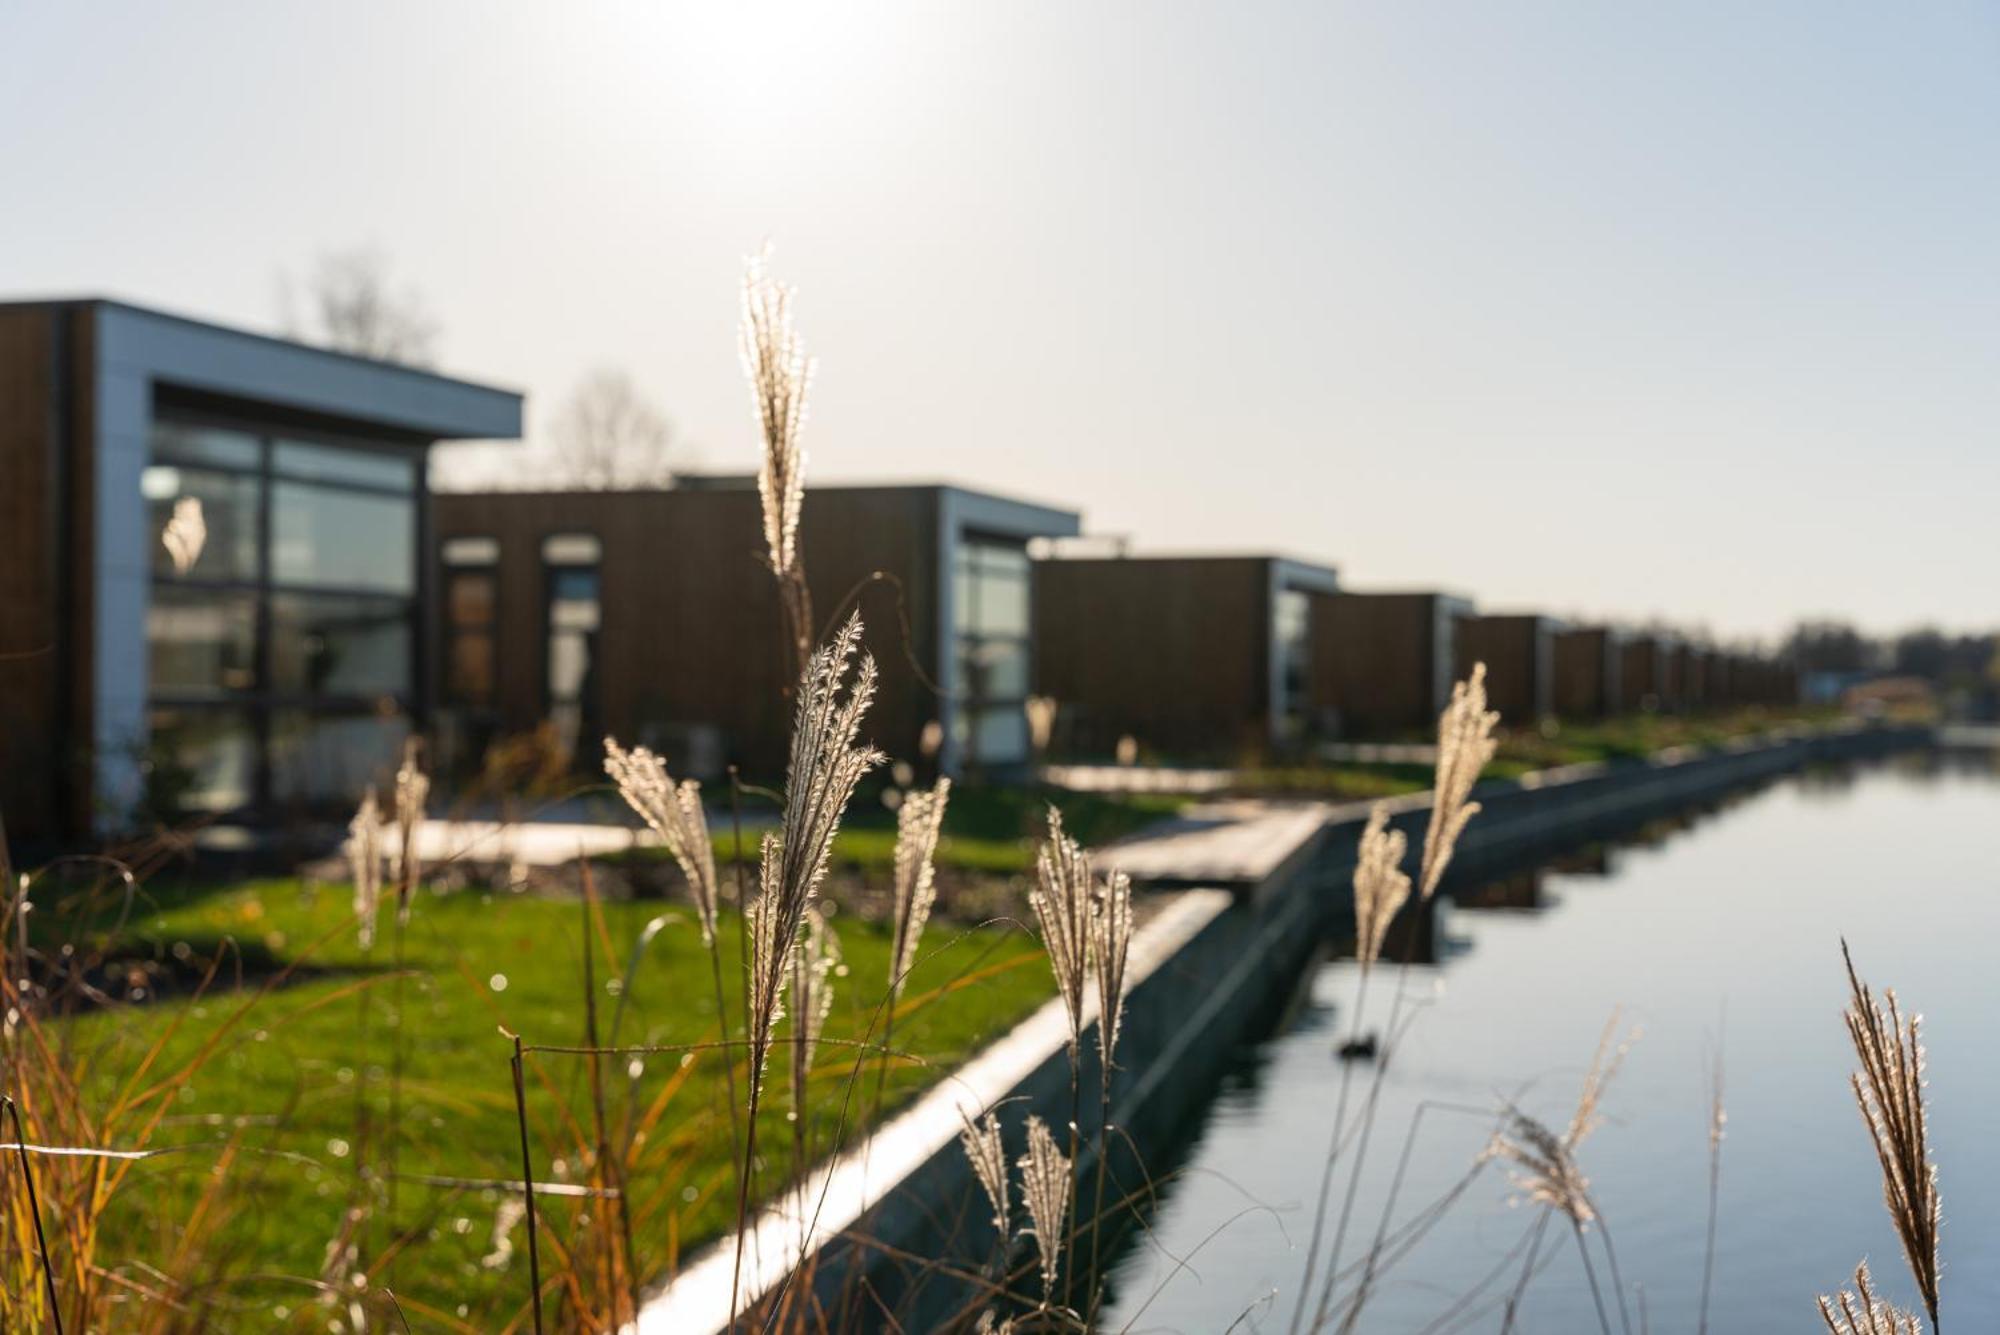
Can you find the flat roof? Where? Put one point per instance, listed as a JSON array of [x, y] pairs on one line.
[[226, 360]]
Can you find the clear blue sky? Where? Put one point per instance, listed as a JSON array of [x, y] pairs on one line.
[[1688, 310]]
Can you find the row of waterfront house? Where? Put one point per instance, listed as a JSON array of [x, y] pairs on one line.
[[230, 590]]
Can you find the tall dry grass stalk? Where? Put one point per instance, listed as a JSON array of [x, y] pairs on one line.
[[988, 1156], [814, 963], [1045, 1187], [1860, 1311], [1547, 1172], [825, 765], [1110, 943], [780, 376], [413, 789], [1063, 903], [364, 861], [1464, 747], [1889, 1090], [1465, 744], [674, 812], [919, 823], [1380, 886]]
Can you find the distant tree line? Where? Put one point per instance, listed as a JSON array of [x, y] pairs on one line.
[[1954, 661]]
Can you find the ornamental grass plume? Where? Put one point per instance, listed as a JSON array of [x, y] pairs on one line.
[[780, 377], [1465, 745], [674, 812], [1380, 885], [814, 963], [1045, 1187], [1549, 1171], [988, 1156], [1889, 1090], [1862, 1312], [413, 788], [1110, 943], [1062, 900], [825, 766], [364, 858], [919, 821]]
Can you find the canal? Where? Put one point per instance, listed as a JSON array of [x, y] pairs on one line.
[[1719, 934]]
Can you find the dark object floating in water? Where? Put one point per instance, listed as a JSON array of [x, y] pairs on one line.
[[1356, 1048]]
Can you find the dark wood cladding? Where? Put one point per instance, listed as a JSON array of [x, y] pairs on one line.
[[691, 642], [1587, 664], [1519, 653], [1379, 660], [46, 566], [1173, 652]]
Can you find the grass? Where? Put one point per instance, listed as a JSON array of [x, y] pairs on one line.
[[286, 1078]]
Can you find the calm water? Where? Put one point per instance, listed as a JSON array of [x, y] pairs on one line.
[[1726, 931]]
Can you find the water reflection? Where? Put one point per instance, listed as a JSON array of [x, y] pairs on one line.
[[1719, 927]]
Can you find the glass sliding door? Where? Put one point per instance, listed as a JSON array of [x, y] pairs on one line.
[[283, 627]]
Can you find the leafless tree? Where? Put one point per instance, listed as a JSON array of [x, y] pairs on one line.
[[608, 437], [351, 306]]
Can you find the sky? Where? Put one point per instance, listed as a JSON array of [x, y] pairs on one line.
[[1688, 312]]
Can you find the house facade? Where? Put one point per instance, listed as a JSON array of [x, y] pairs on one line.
[[1519, 651], [1190, 656], [1383, 663], [651, 616], [210, 549]]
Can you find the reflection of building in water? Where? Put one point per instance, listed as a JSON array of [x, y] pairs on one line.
[[1592, 860], [1520, 892]]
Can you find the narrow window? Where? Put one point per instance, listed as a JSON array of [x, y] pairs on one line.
[[572, 616]]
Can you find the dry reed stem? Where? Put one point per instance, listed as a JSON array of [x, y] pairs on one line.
[[1380, 885], [988, 1156], [1110, 943], [1862, 1312], [825, 766], [364, 859], [1062, 901], [1465, 745], [814, 962], [1550, 1174], [1045, 1187], [674, 812], [780, 378], [1889, 1091], [413, 789], [919, 823]]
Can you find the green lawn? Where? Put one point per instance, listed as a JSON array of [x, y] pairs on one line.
[[291, 1064]]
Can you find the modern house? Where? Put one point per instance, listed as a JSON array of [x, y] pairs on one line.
[[1589, 660], [1645, 675], [1190, 656], [1519, 651], [1383, 663], [651, 616], [210, 563]]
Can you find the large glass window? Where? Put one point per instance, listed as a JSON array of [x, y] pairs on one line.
[[573, 618], [326, 538], [282, 632], [991, 616]]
